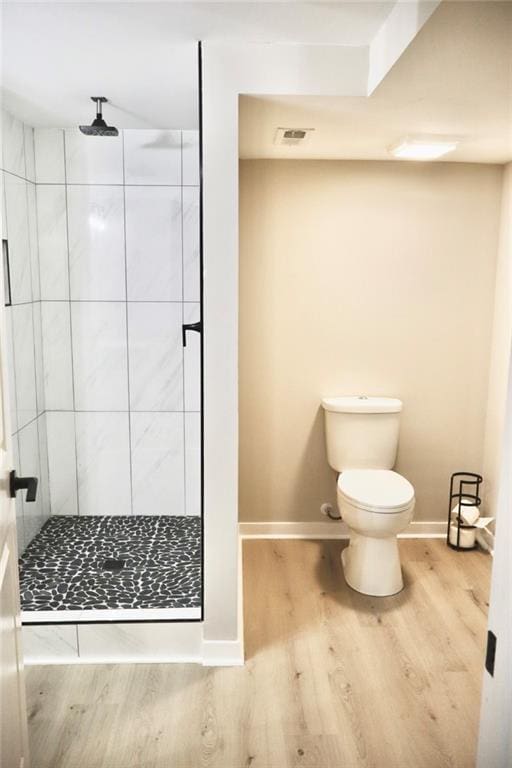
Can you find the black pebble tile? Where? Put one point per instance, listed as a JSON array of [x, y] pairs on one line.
[[63, 567]]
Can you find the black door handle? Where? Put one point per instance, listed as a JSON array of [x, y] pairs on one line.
[[19, 483], [198, 327]]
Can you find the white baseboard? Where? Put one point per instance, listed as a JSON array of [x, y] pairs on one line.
[[485, 539], [325, 529], [241, 636], [430, 529], [223, 653]]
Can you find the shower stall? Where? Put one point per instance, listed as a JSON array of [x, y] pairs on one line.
[[102, 267]]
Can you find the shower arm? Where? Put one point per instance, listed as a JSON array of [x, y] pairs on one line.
[[99, 101]]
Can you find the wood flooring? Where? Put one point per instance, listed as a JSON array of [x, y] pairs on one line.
[[333, 679]]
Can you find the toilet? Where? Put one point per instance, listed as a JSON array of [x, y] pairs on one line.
[[375, 502]]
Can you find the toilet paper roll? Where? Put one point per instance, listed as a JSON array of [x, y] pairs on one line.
[[469, 513], [467, 536]]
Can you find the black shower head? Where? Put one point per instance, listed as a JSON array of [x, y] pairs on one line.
[[98, 126]]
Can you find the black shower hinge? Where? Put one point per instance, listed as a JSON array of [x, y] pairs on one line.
[[197, 327], [7, 274], [490, 655]]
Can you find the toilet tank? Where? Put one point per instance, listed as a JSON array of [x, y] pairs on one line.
[[361, 432]]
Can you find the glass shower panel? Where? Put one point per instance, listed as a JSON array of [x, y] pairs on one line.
[[21, 316], [117, 397]]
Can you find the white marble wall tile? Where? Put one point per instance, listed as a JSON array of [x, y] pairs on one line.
[[49, 152], [93, 160], [153, 243], [191, 158], [193, 463], [165, 642], [158, 463], [19, 242], [20, 535], [38, 357], [8, 312], [24, 363], [13, 152], [50, 643], [58, 368], [96, 243], [192, 360], [33, 241], [99, 356], [30, 466], [191, 261], [30, 159], [31, 526], [156, 357], [152, 157], [53, 243], [44, 486], [3, 222], [60, 428], [103, 461], [162, 250]]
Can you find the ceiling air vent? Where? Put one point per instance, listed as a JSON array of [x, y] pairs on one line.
[[293, 137]]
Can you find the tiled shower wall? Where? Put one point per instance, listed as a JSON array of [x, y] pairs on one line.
[[104, 254], [23, 322], [118, 223]]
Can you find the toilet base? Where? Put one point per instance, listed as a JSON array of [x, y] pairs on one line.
[[372, 565]]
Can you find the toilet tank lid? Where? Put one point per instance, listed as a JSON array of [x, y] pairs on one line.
[[362, 404]]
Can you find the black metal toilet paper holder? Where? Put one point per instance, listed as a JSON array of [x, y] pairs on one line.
[[464, 492]]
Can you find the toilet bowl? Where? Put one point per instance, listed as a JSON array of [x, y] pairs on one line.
[[375, 502], [376, 505]]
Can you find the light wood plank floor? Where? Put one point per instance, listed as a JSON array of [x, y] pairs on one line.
[[332, 680]]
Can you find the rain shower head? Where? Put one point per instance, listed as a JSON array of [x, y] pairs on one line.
[[98, 126]]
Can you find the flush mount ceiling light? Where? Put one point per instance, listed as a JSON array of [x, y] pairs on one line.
[[423, 147]]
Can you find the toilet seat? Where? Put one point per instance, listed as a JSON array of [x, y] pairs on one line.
[[376, 490]]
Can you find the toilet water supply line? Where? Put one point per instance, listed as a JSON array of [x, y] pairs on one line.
[[326, 509]]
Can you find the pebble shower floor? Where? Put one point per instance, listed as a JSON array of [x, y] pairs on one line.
[[89, 562]]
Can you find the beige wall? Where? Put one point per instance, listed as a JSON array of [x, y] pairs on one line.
[[362, 278], [500, 350]]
